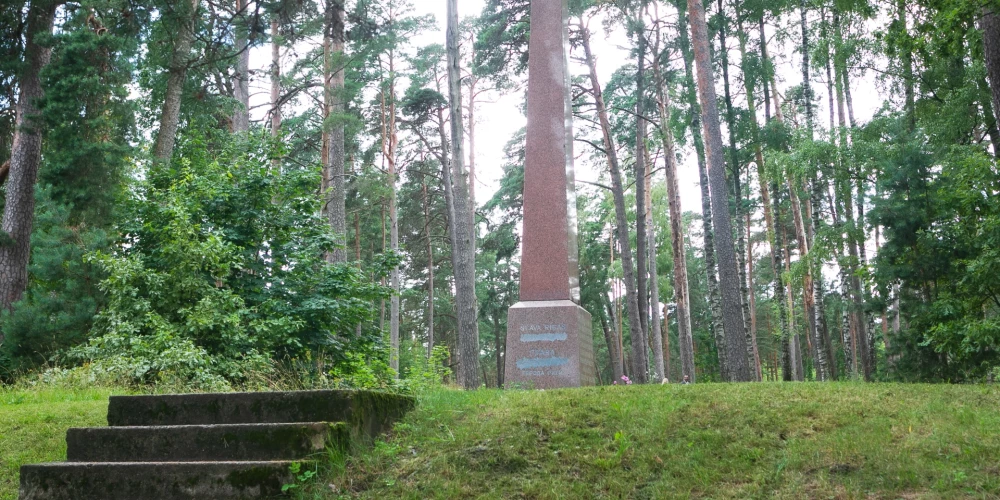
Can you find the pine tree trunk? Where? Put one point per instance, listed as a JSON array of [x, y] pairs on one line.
[[26, 153], [765, 195], [737, 208], [714, 301], [789, 345], [275, 79], [336, 193], [463, 253], [606, 316], [241, 85], [729, 277], [773, 218], [449, 198], [907, 54], [642, 210], [860, 342], [769, 76], [681, 293], [656, 333], [430, 271], [170, 114], [640, 359], [806, 82]]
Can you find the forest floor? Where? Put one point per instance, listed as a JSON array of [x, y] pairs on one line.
[[843, 440]]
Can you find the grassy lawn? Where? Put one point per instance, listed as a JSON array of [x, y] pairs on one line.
[[33, 427], [704, 441]]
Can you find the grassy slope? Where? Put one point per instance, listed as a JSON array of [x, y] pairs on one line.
[[711, 441], [708, 441], [33, 427]]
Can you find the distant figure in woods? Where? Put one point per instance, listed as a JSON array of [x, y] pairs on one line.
[[686, 381]]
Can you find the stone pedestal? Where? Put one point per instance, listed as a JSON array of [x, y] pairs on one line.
[[549, 345]]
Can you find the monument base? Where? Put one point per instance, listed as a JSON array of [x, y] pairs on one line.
[[549, 345]]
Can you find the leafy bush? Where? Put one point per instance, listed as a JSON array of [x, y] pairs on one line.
[[221, 271]]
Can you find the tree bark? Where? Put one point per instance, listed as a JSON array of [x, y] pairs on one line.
[[430, 271], [26, 153], [765, 194], [906, 51], [170, 114], [607, 317], [640, 358], [806, 82], [336, 194], [241, 85], [464, 244], [734, 327], [737, 207], [714, 302], [275, 78], [644, 241], [681, 293]]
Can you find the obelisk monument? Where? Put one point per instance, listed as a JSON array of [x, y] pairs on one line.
[[549, 338]]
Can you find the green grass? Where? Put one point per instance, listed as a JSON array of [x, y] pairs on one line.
[[702, 441], [33, 426]]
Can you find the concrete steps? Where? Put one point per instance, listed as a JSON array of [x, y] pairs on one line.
[[207, 446]]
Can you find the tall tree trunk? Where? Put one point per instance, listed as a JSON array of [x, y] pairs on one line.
[[464, 245], [640, 357], [607, 316], [906, 52], [275, 78], [714, 300], [336, 194], [681, 293], [26, 153], [806, 82], [751, 298], [737, 363], [390, 143], [860, 340], [656, 332], [666, 343], [449, 198], [643, 241], [802, 239], [241, 87], [770, 82], [776, 231], [765, 194], [500, 346], [737, 208], [170, 114], [789, 349], [430, 270]]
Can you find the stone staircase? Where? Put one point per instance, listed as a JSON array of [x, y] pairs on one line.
[[207, 446]]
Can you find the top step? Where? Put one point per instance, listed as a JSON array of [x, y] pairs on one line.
[[368, 412]]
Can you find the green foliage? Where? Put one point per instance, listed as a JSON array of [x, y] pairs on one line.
[[86, 156], [58, 308], [942, 231], [221, 272]]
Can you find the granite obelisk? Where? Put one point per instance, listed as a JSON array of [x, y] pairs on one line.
[[549, 338]]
